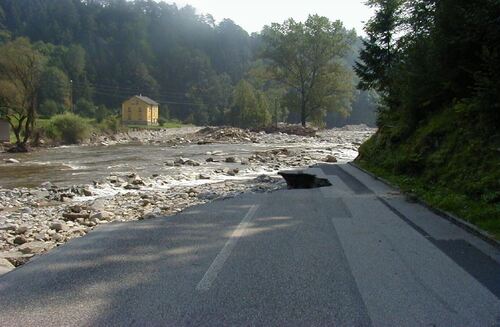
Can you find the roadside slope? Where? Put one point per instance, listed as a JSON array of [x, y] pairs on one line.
[[448, 161]]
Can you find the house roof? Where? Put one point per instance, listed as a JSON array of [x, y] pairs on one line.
[[147, 100]]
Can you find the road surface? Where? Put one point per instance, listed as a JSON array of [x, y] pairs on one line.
[[353, 254]]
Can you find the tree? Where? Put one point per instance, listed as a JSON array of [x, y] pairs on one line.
[[20, 73], [55, 86], [85, 108], [380, 49], [49, 108], [250, 107], [306, 58]]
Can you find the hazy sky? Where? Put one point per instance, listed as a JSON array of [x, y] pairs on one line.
[[252, 15]]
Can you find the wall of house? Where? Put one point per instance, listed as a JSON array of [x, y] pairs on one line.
[[135, 111]]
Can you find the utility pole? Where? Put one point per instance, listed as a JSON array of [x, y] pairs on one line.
[[276, 111], [71, 108]]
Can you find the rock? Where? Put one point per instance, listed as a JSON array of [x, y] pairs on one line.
[[5, 266], [40, 194], [188, 162], [41, 237], [58, 238], [46, 185], [101, 215], [8, 227], [15, 257], [210, 160], [20, 240], [11, 161], [87, 192], [170, 163], [193, 163], [58, 226], [233, 172], [202, 176], [33, 247], [137, 181], [330, 159], [21, 230], [76, 208], [98, 204], [231, 160], [129, 186], [73, 216]]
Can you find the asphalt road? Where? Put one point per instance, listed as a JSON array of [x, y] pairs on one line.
[[353, 254]]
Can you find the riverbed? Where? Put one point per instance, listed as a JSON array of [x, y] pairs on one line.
[[50, 196]]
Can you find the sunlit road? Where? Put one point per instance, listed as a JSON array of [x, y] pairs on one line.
[[354, 254]]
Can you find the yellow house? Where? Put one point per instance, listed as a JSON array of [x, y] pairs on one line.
[[140, 110]]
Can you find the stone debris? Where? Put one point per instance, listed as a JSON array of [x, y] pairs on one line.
[[35, 220], [25, 233]]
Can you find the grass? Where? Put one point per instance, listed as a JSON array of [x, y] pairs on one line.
[[169, 124], [446, 163]]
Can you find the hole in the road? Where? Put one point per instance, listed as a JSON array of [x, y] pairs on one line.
[[300, 180]]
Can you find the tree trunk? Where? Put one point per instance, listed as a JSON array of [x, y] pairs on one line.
[[303, 115]]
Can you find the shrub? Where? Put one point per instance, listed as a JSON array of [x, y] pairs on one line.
[[49, 108], [111, 124], [161, 121], [85, 108], [68, 128]]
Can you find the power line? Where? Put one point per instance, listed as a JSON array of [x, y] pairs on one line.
[[120, 88], [160, 100]]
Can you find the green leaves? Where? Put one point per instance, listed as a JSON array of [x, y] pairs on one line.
[[304, 57]]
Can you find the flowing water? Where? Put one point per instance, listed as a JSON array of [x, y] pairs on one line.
[[72, 165]]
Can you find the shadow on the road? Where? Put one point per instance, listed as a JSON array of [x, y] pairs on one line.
[[116, 268]]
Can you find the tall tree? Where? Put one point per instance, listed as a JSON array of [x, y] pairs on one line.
[[306, 58], [20, 73], [380, 48]]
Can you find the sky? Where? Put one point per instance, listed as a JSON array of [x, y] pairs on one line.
[[252, 15]]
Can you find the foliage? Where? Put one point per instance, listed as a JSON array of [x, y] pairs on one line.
[[85, 108], [439, 116], [111, 124], [20, 74], [250, 107], [49, 108], [54, 85], [103, 52], [68, 128], [306, 58]]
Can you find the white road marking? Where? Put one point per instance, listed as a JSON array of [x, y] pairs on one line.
[[215, 268]]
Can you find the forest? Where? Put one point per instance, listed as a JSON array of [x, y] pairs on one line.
[[435, 65], [91, 55]]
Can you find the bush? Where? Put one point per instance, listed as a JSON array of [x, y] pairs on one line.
[[102, 112], [85, 108], [68, 128], [49, 108], [111, 124], [161, 121]]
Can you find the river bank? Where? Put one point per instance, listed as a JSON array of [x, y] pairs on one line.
[[54, 195]]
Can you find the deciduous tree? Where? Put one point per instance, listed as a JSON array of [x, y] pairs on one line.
[[306, 58]]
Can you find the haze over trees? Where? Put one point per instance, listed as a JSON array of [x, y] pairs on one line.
[[98, 53]]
